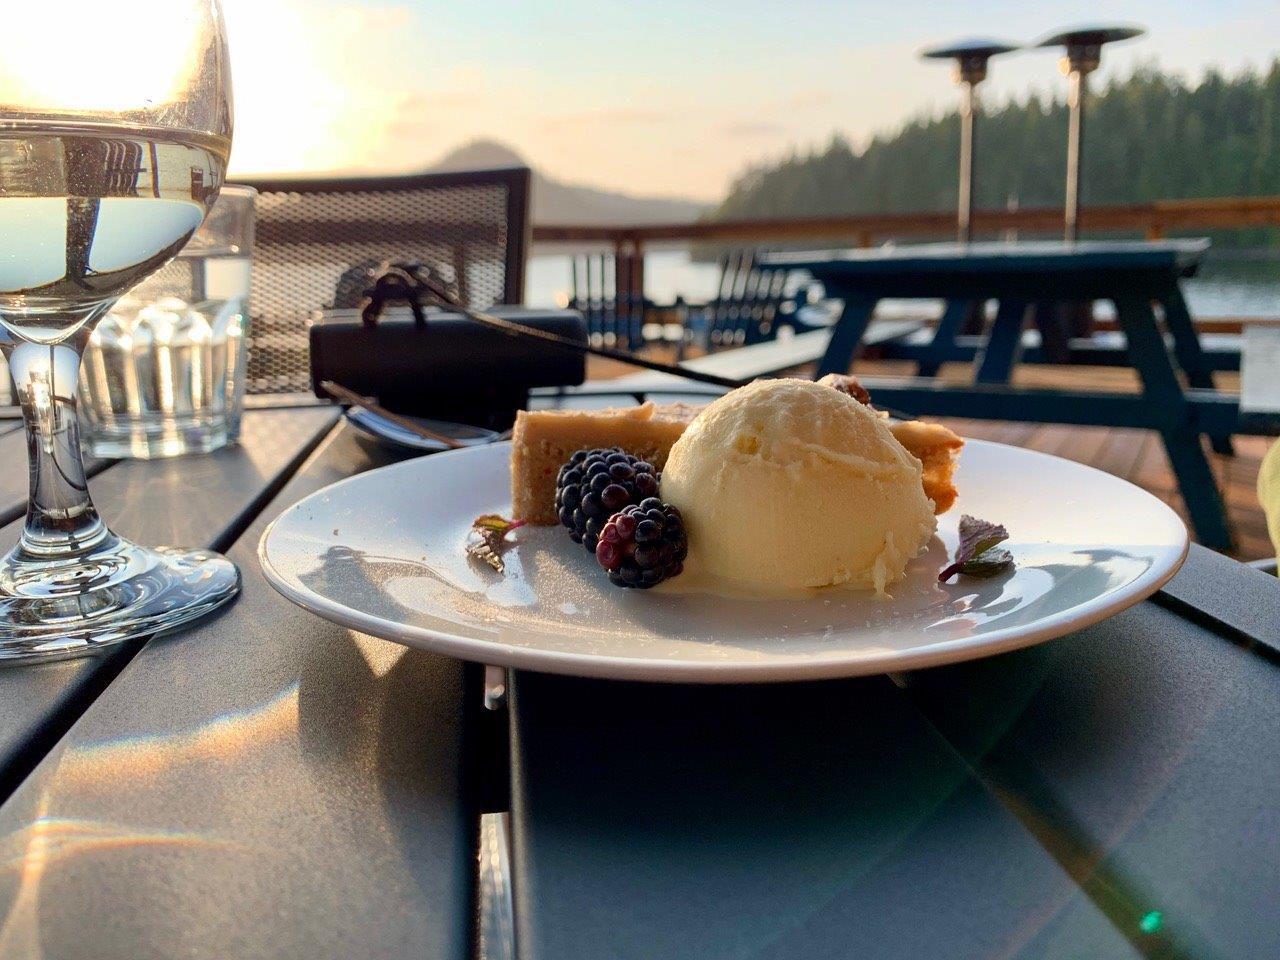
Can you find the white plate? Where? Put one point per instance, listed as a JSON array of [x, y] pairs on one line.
[[383, 553]]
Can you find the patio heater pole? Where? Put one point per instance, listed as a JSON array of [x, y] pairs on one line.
[[964, 191], [970, 58], [1084, 54], [1077, 89]]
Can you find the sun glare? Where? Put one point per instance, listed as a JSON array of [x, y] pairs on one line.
[[107, 62], [316, 90]]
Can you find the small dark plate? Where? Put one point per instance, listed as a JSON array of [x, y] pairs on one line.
[[387, 432]]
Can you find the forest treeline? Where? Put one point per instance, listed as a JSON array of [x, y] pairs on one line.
[[1148, 136]]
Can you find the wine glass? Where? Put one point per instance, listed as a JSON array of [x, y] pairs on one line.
[[115, 126]]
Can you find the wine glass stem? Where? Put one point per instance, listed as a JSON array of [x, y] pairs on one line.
[[62, 521]]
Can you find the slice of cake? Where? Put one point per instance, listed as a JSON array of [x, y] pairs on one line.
[[936, 447], [543, 440]]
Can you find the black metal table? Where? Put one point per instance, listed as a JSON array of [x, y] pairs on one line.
[[268, 785], [1178, 398]]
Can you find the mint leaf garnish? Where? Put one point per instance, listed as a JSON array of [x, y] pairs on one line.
[[489, 539], [988, 563], [977, 554]]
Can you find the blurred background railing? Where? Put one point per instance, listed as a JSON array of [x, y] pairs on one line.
[[664, 261], [1151, 220]]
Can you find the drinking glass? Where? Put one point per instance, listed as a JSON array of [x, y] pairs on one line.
[[115, 126], [164, 372]]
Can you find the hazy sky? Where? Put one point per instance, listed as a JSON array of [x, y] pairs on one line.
[[659, 97]]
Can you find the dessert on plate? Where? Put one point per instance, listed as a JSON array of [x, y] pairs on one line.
[[934, 445], [780, 487], [544, 440]]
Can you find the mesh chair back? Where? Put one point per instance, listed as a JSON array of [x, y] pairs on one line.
[[472, 226], [314, 235]]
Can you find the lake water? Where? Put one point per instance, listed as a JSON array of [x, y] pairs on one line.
[[1236, 284]]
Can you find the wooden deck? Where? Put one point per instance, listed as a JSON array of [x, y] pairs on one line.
[[1136, 455]]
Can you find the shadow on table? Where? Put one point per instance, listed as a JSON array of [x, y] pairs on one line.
[[769, 821], [398, 714]]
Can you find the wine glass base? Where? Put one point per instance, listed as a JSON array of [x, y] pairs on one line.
[[55, 610]]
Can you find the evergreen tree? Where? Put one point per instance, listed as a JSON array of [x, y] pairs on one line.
[[1149, 136]]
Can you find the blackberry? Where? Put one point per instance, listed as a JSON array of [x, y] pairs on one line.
[[596, 484], [643, 544]]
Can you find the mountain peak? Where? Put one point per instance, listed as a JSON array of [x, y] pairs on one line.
[[479, 155], [568, 203]]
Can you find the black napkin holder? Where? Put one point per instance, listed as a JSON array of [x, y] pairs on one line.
[[447, 367]]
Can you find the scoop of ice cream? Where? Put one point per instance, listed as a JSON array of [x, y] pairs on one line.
[[788, 484]]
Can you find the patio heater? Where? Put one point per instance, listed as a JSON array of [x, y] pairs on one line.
[[970, 58], [1084, 54]]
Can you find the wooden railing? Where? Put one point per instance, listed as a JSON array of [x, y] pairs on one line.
[[1153, 220]]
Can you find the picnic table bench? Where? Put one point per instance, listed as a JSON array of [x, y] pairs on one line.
[[265, 784], [1105, 348]]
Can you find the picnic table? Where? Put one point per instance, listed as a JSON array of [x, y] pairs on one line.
[[265, 784], [1178, 397]]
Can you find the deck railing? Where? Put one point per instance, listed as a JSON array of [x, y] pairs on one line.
[[1154, 220]]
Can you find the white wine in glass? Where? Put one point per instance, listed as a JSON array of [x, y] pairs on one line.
[[87, 211], [101, 182]]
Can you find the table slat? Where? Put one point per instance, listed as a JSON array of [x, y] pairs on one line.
[[198, 501], [1143, 752], [263, 785], [801, 820], [1043, 257], [1227, 596]]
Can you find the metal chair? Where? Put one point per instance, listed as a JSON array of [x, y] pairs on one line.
[[472, 226], [604, 288], [752, 301], [311, 233]]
